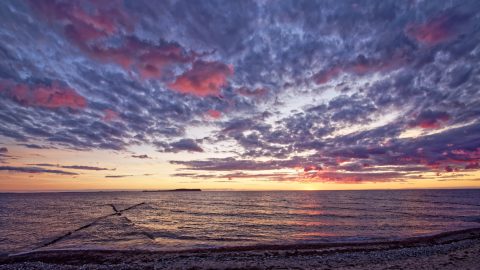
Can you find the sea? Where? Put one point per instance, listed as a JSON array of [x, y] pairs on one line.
[[171, 221]]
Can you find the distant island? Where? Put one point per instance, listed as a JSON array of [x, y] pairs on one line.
[[174, 190]]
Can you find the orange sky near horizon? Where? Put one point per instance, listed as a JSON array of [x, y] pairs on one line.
[[158, 171]]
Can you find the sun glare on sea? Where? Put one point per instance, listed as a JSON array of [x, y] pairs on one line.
[[309, 187]]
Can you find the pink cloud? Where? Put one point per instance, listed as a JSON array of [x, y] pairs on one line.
[[312, 168], [430, 124], [153, 62], [214, 114], [120, 56], [85, 21], [432, 32], [204, 79], [55, 97], [149, 60], [98, 21], [327, 75], [110, 115], [87, 24], [47, 96], [430, 120], [20, 93]]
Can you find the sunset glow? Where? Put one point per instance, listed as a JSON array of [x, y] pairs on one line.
[[120, 95]]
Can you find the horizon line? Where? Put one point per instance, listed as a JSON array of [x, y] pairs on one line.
[[227, 190]]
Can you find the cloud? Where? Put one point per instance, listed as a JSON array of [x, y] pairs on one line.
[[33, 146], [231, 164], [459, 75], [362, 65], [119, 176], [89, 168], [88, 26], [327, 75], [248, 92], [150, 61], [238, 125], [356, 177], [103, 18], [472, 166], [3, 154], [34, 170], [438, 29], [236, 175], [126, 175], [144, 156], [52, 96], [73, 167], [205, 78], [214, 114], [339, 159], [314, 175], [185, 145], [341, 87], [110, 115], [430, 119]]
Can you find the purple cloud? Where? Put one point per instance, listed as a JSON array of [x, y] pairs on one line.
[[332, 94]]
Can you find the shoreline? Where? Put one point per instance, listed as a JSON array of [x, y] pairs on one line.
[[309, 255]]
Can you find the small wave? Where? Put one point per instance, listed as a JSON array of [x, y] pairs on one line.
[[471, 219], [171, 235]]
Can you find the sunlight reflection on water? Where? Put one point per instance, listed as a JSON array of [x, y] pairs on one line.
[[182, 220]]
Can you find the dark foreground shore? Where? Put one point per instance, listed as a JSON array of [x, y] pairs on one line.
[[451, 250]]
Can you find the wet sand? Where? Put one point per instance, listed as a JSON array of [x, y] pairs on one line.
[[451, 250]]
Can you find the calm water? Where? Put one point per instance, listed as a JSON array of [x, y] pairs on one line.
[[180, 220]]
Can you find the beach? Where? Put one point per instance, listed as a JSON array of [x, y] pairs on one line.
[[450, 250]]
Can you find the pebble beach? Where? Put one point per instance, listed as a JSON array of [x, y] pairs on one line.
[[451, 250]]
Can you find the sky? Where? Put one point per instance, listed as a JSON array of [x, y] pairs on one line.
[[242, 95]]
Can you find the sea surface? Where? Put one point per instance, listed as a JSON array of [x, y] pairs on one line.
[[207, 219]]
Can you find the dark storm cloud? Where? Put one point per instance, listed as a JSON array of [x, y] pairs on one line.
[[90, 75]]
